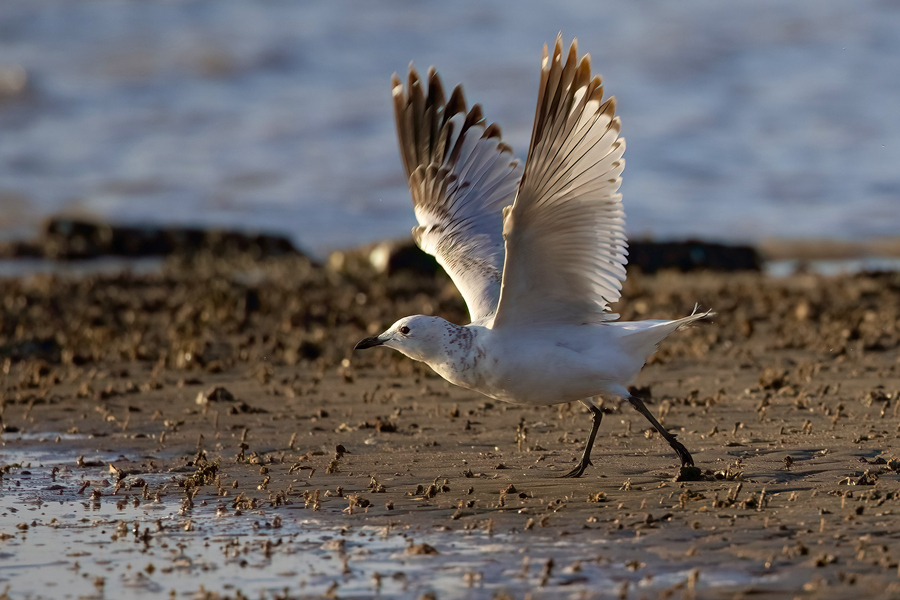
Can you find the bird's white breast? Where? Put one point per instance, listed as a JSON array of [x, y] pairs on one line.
[[541, 366]]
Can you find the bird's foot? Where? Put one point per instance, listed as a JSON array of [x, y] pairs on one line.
[[579, 470], [686, 459]]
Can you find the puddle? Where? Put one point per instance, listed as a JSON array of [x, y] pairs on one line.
[[60, 540], [43, 436], [786, 268]]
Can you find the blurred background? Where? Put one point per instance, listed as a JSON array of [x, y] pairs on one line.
[[745, 120]]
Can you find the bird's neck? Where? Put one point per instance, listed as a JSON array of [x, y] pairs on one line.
[[458, 361]]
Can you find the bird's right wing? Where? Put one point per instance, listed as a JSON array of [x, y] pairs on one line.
[[461, 176], [565, 234]]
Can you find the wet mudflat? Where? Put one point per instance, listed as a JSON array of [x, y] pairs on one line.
[[206, 431]]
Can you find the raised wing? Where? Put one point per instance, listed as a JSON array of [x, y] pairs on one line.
[[461, 176], [565, 238]]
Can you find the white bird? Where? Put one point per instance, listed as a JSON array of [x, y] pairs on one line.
[[538, 252]]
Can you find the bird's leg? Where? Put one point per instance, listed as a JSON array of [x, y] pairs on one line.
[[596, 417], [683, 454]]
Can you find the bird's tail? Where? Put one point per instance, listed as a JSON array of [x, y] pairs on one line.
[[642, 337]]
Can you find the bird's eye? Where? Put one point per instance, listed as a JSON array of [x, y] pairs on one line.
[[404, 330]]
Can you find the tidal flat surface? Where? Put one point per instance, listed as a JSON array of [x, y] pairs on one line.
[[206, 429]]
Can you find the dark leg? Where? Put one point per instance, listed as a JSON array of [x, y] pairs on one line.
[[683, 454], [596, 417]]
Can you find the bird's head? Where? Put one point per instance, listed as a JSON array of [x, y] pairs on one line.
[[418, 337]]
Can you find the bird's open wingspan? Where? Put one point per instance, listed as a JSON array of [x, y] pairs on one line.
[[564, 236], [461, 176]]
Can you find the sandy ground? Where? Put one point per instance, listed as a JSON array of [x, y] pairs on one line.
[[254, 454]]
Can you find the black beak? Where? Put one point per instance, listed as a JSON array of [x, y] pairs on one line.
[[369, 342]]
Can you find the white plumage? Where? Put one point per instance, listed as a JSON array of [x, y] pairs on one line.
[[538, 253]]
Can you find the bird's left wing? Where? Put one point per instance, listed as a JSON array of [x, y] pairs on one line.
[[461, 176], [565, 238]]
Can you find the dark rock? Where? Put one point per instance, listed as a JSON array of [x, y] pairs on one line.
[[215, 394], [71, 239], [389, 257], [409, 257], [45, 349], [689, 474], [692, 255]]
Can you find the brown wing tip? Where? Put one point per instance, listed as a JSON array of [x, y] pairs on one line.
[[558, 48], [573, 52], [493, 131], [435, 89], [456, 104], [616, 124], [608, 110], [583, 74], [474, 117], [412, 79], [585, 62], [558, 53], [547, 64], [396, 85]]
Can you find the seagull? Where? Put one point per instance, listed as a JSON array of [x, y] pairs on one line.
[[538, 251]]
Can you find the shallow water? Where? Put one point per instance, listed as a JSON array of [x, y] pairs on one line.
[[118, 545], [872, 264], [744, 120]]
